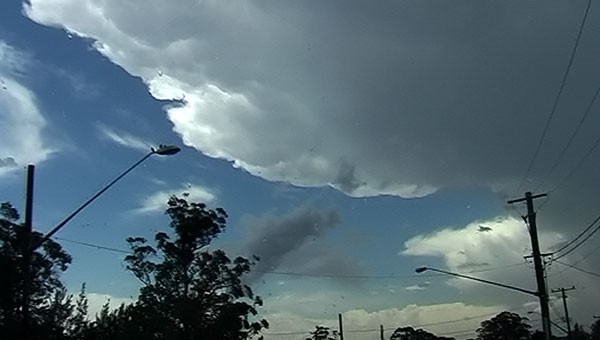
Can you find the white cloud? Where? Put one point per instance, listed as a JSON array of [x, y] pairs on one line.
[[284, 94], [97, 300], [465, 249], [419, 286], [157, 201], [468, 248], [360, 324], [22, 124], [12, 60], [124, 138]]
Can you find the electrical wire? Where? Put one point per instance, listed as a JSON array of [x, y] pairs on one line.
[[579, 244], [340, 276], [93, 245], [556, 312], [576, 262], [578, 236], [394, 328], [578, 269], [383, 276], [556, 99], [571, 138], [576, 168]]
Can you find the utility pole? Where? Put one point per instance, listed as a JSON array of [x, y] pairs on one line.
[[26, 250], [341, 326], [381, 332], [564, 298], [537, 261]]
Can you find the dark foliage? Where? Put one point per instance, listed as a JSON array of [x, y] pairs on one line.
[[320, 333], [595, 330], [188, 293], [579, 333], [409, 333], [49, 306], [505, 326]]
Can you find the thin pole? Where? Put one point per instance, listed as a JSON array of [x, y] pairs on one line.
[[563, 292], [341, 326], [537, 262], [61, 224], [381, 332], [27, 245]]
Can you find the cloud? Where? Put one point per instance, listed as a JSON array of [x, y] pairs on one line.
[[397, 98], [419, 286], [360, 324], [124, 138], [21, 121], [390, 98], [97, 300], [467, 247], [495, 255], [157, 201], [292, 240], [14, 61], [81, 87], [394, 98]]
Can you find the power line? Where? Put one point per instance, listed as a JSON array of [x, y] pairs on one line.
[[556, 99], [578, 269], [576, 262], [578, 236], [367, 330], [578, 244], [555, 310], [93, 245], [339, 276], [579, 164], [571, 138]]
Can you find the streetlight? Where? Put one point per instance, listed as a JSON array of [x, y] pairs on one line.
[[530, 292], [163, 150]]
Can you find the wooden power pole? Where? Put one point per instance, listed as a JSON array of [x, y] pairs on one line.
[[537, 261], [564, 298]]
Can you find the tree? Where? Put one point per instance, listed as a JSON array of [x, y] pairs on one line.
[[77, 323], [190, 293], [320, 333], [505, 326], [578, 333], [409, 333], [48, 304], [595, 327]]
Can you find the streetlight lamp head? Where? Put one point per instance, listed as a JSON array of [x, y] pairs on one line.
[[420, 269], [166, 150]]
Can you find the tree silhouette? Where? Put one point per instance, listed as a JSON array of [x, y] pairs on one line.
[[409, 333], [189, 293], [595, 327], [505, 326], [49, 305], [579, 333], [320, 333]]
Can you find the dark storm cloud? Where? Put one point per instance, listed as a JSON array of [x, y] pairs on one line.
[[279, 239], [403, 97], [373, 98], [7, 162]]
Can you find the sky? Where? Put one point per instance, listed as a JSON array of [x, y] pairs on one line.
[[349, 142]]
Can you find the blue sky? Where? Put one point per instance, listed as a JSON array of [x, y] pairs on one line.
[[409, 125]]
